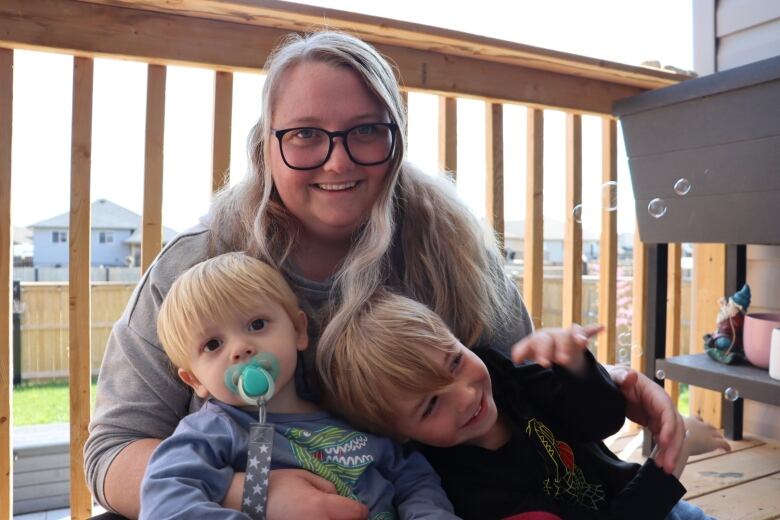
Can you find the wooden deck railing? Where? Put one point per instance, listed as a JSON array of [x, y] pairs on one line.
[[235, 35]]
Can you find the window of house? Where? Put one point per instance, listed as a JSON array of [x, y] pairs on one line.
[[59, 237], [106, 237]]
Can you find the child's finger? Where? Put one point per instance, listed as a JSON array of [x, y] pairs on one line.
[[537, 347]]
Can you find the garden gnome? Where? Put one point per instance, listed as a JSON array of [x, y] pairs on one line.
[[725, 344]]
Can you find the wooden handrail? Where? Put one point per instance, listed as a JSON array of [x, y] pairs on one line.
[[239, 36]]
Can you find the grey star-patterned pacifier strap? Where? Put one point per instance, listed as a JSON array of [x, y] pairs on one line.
[[258, 465]]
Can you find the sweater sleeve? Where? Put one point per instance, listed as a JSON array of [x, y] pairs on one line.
[[591, 406], [650, 495], [190, 472], [138, 393], [418, 491]]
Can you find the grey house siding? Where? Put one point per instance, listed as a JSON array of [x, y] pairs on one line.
[[113, 253], [47, 253]]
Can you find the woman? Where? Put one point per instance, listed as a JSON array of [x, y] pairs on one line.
[[332, 203]]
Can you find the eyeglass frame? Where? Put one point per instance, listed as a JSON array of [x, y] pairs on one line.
[[331, 135]]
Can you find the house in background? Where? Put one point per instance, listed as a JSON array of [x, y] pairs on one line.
[[116, 237], [514, 237]]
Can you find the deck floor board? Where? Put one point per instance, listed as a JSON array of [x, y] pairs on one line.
[[741, 484]]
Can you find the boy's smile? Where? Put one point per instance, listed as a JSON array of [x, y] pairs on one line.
[[462, 413]]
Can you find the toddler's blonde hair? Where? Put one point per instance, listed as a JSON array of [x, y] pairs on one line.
[[213, 291], [380, 355]]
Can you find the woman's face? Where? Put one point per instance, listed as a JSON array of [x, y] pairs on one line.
[[331, 201]]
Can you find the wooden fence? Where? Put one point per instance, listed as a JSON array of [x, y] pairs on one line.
[[45, 335], [45, 328]]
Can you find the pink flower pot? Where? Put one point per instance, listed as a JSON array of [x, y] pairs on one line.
[[756, 336]]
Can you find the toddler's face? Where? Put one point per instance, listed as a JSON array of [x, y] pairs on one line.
[[219, 345], [462, 413]]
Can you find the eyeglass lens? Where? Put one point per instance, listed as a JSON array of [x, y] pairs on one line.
[[309, 147]]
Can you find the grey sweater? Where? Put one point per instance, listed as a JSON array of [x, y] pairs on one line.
[[139, 395]]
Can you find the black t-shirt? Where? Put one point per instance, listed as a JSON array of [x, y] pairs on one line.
[[555, 460]]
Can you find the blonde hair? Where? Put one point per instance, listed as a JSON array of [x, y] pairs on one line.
[[213, 291], [418, 236], [381, 354]]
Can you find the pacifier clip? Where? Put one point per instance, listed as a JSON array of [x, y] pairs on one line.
[[254, 382]]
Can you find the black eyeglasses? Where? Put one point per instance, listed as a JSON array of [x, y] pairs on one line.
[[307, 148]]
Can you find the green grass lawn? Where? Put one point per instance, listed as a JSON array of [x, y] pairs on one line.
[[43, 404]]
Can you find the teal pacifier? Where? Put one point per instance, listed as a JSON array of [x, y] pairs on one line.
[[254, 379]]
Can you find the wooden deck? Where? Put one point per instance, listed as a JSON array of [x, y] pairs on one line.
[[742, 484]]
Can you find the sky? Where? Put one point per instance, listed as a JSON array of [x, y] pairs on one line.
[[627, 31]]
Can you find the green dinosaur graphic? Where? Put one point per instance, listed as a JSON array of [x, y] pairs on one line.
[[332, 453]]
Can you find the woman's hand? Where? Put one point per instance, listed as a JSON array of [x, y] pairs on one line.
[[564, 347], [649, 405], [297, 493]]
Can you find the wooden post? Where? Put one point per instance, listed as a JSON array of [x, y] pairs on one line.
[[448, 136], [638, 306], [572, 244], [494, 128], [707, 286], [6, 259], [608, 249], [673, 314], [533, 243], [79, 293], [151, 236], [223, 114]]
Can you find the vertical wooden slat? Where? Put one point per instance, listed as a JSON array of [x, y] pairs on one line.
[[638, 303], [223, 113], [638, 306], [533, 243], [572, 243], [448, 135], [151, 237], [79, 282], [707, 286], [494, 168], [608, 248], [673, 314], [6, 256]]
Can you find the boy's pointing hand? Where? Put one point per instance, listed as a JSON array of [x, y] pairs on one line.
[[564, 347]]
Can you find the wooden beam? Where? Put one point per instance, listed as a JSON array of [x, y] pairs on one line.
[[376, 30], [223, 114], [572, 242], [608, 248], [673, 314], [707, 286], [79, 291], [494, 168], [151, 237], [533, 243], [86, 29], [6, 259], [448, 136]]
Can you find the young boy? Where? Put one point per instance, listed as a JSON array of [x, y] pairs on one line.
[[504, 438], [223, 312]]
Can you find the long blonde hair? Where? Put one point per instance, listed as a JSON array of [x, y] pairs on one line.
[[418, 235]]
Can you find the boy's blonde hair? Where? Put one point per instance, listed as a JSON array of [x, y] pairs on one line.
[[380, 354], [213, 291]]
